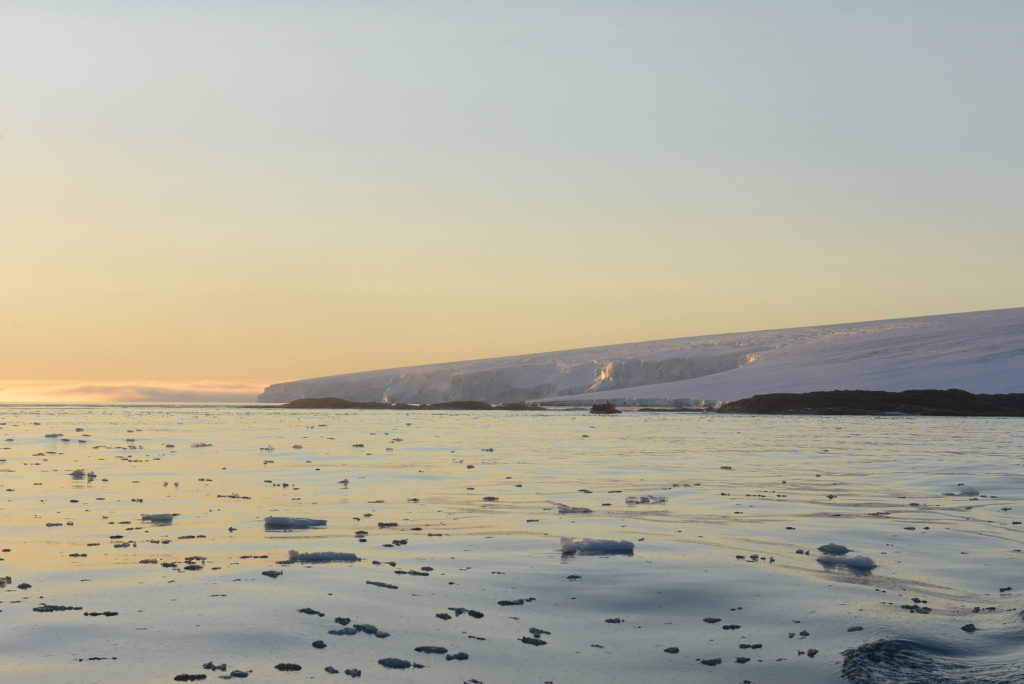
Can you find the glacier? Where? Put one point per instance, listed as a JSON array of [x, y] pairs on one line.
[[981, 352]]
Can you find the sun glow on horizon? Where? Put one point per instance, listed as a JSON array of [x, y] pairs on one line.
[[106, 391]]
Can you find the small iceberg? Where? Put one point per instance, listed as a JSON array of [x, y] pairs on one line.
[[321, 557], [965, 490], [833, 549], [275, 522], [563, 509], [645, 499], [159, 518], [589, 546], [852, 562]]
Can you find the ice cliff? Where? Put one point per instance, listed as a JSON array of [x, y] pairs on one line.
[[978, 352]]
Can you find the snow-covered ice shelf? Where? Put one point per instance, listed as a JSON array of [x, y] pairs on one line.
[[981, 352]]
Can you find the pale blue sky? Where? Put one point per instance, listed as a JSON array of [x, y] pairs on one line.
[[193, 186]]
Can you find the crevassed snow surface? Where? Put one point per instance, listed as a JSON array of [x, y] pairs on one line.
[[980, 352]]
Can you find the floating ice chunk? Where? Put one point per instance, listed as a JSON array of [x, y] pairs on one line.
[[165, 518], [853, 562], [284, 523], [596, 546], [645, 499], [833, 549], [321, 556], [562, 508]]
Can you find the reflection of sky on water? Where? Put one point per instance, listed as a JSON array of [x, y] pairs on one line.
[[741, 495]]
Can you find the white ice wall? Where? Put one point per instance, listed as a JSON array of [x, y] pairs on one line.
[[979, 352]]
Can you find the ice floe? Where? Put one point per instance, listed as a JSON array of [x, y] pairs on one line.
[[285, 523], [596, 546], [563, 509], [165, 518], [645, 499], [322, 557], [852, 562], [833, 549]]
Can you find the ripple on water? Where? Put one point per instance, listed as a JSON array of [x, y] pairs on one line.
[[469, 496]]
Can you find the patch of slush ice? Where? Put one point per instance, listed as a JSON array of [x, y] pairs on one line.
[[321, 556], [596, 546], [285, 523]]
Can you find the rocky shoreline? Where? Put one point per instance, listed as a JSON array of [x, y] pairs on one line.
[[336, 403], [929, 402], [950, 402]]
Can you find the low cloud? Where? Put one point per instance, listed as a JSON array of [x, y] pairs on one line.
[[53, 391]]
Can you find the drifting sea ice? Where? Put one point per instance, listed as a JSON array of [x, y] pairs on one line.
[[645, 499], [690, 558], [159, 517], [853, 562], [285, 523], [596, 546], [563, 509], [833, 549], [322, 557]]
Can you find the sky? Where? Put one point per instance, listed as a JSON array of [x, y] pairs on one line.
[[198, 199]]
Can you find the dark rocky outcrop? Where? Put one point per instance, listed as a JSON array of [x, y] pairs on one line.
[[950, 402], [607, 408]]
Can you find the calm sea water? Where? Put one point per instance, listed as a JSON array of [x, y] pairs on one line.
[[452, 511]]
